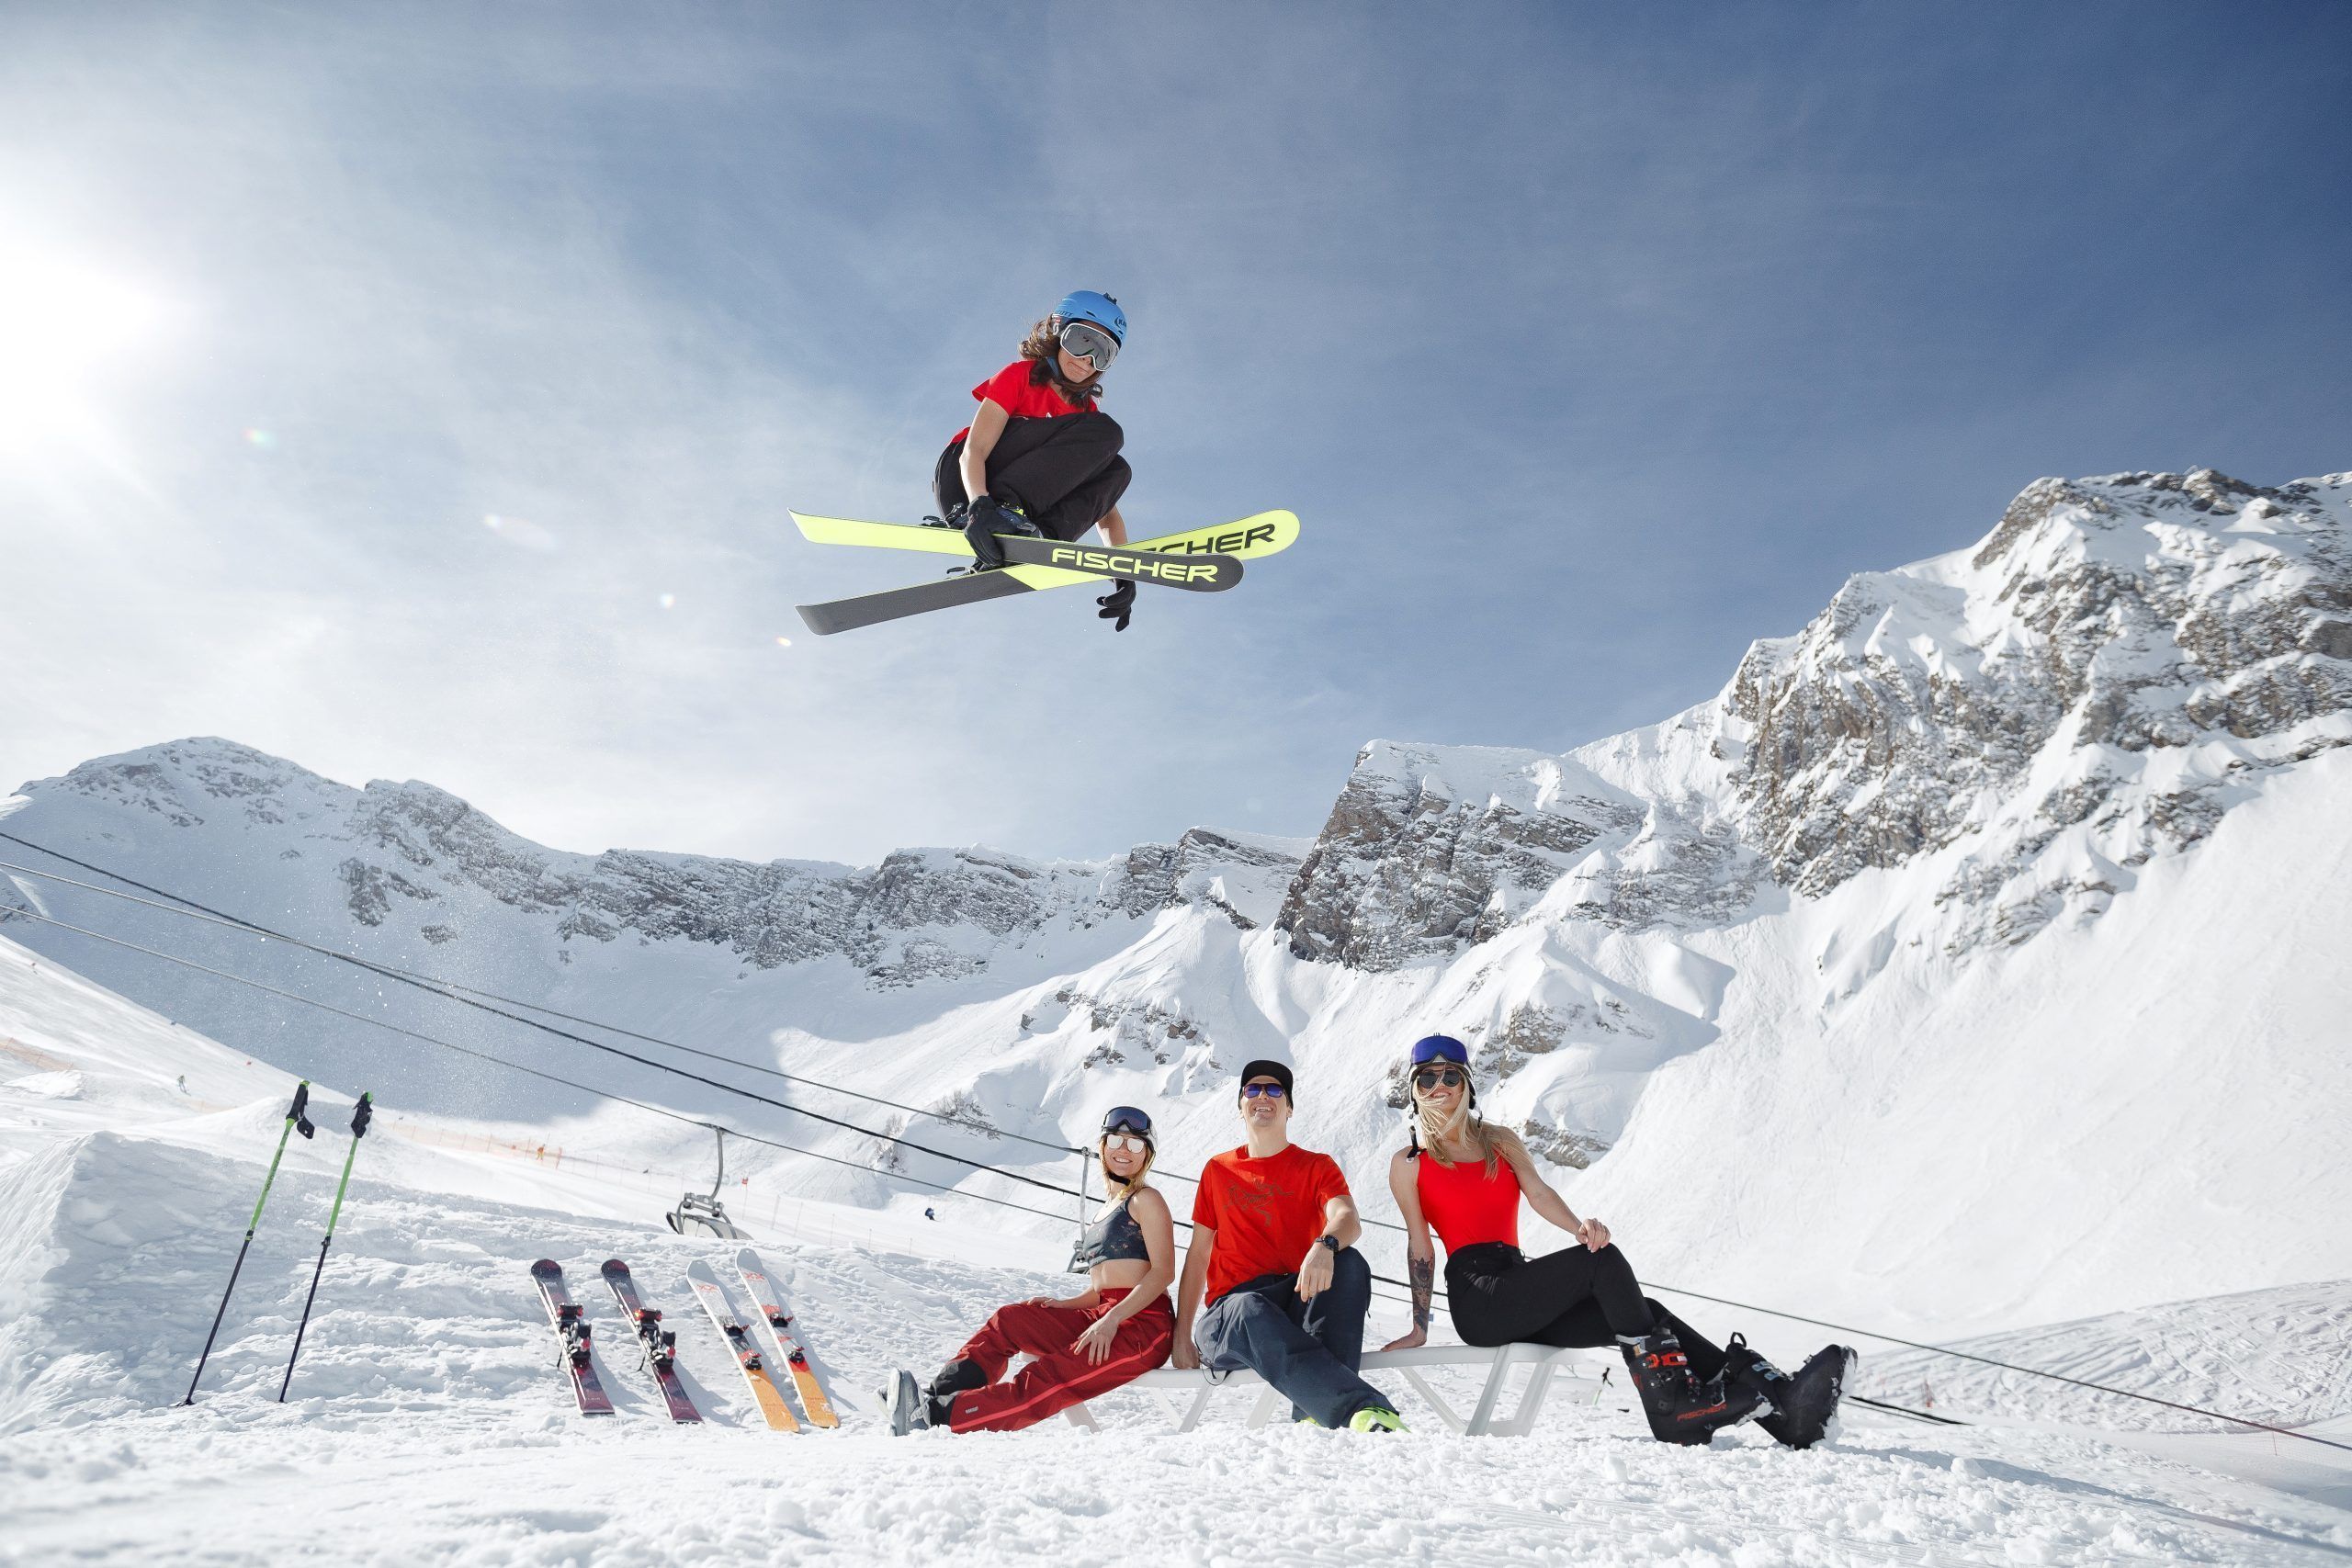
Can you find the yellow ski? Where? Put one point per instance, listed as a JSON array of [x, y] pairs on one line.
[[739, 1339], [1263, 535], [769, 1302]]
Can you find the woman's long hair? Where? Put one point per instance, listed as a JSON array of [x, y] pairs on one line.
[[1123, 1188], [1043, 349], [1491, 1141]]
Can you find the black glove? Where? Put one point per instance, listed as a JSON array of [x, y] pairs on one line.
[[1118, 604], [983, 521]]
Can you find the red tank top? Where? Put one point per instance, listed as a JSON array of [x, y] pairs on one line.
[[1465, 1205]]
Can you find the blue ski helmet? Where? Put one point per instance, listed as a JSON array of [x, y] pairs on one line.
[[1086, 305]]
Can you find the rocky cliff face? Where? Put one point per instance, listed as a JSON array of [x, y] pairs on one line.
[[2119, 652], [401, 854]]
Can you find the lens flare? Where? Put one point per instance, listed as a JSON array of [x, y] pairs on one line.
[[521, 532], [668, 601]]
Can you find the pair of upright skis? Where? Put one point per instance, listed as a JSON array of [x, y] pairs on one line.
[[1202, 560], [658, 1345]]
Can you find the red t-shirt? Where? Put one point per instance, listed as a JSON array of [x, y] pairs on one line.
[[1266, 1212], [1012, 390]]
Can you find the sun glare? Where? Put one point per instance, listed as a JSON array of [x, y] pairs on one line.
[[64, 327]]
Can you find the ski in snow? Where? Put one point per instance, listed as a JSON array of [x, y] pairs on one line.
[[739, 1339], [769, 1301], [659, 1345], [1262, 535], [572, 1330]]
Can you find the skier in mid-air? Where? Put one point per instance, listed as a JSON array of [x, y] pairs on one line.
[[1039, 459]]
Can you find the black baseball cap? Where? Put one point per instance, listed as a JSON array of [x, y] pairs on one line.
[[1278, 1071]]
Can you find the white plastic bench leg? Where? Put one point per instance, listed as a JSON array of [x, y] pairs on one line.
[[1079, 1415], [1436, 1402], [1485, 1412], [1531, 1403], [1193, 1412], [1263, 1411]]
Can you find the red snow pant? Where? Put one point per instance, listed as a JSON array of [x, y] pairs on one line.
[[1061, 1376]]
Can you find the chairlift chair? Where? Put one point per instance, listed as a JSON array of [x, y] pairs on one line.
[[697, 1214]]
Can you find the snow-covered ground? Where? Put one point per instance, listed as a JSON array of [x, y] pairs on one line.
[[428, 1422]]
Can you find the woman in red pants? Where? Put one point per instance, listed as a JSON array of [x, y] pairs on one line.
[[1119, 1329]]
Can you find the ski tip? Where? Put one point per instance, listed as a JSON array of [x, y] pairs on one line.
[[546, 1266]]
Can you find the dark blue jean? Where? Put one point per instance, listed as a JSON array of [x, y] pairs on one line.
[[1306, 1350]]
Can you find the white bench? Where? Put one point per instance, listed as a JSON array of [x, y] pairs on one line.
[[1542, 1360]]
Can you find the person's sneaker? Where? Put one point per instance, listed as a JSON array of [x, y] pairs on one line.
[[909, 1411], [1372, 1418], [1680, 1408]]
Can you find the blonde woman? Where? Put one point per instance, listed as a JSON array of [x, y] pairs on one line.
[[1464, 1178], [1117, 1329]]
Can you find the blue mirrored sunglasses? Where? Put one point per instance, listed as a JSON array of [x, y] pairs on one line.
[[1252, 1091]]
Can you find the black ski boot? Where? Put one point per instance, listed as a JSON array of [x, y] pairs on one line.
[[983, 520], [1680, 1408], [1804, 1405]]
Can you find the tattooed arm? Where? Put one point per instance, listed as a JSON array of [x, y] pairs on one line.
[[1420, 1252]]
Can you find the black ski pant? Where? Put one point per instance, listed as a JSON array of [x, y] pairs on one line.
[[1065, 474], [1499, 1295]]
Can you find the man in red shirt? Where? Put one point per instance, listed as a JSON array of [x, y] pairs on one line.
[[1274, 1233]]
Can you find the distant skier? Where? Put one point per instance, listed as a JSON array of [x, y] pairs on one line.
[[1039, 459], [1464, 1178], [1113, 1332], [929, 1215]]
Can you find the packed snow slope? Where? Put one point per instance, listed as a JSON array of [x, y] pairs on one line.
[[1972, 960], [123, 1194]]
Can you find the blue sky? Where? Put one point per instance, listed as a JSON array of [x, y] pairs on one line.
[[1589, 341]]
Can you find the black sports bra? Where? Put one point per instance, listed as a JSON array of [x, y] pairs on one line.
[[1112, 1237]]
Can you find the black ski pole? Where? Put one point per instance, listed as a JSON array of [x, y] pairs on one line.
[[359, 1114], [294, 1119]]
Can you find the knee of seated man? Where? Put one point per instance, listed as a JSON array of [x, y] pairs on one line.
[[1350, 1266]]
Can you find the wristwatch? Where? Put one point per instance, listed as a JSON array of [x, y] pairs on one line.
[[1327, 1239]]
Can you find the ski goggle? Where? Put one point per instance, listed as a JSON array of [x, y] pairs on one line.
[[1431, 1078], [1133, 1142], [1253, 1090], [1082, 339], [1126, 1119], [1439, 1048]]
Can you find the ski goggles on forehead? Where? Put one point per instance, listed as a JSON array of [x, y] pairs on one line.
[[1091, 344], [1439, 1048], [1126, 1119]]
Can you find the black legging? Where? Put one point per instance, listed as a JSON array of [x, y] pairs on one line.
[[1499, 1295], [1064, 473]]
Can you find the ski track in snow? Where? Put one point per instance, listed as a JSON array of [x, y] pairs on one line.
[[429, 1421]]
